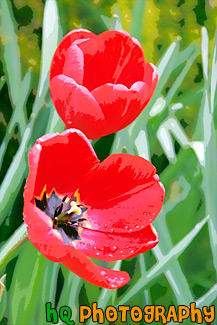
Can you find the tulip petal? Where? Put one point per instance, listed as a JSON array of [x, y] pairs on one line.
[[124, 194], [77, 106], [113, 246], [59, 161], [50, 243], [121, 105], [74, 64], [41, 233], [151, 77], [112, 57], [58, 61], [100, 83], [81, 265]]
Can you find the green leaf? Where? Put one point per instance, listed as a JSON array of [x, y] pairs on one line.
[[137, 19], [25, 288], [49, 40], [164, 263], [18, 116], [10, 51], [10, 247], [208, 298]]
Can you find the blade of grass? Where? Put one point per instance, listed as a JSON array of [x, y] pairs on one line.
[[186, 53], [182, 76], [49, 40], [142, 264], [174, 273], [208, 298], [11, 51], [213, 76], [122, 143], [25, 286], [137, 19], [70, 292], [18, 116], [48, 288], [11, 246], [164, 263], [210, 168]]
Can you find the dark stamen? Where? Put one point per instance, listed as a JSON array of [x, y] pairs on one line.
[[82, 219], [65, 197], [64, 221]]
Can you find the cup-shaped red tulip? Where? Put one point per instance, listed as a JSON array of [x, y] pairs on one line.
[[99, 84], [76, 207]]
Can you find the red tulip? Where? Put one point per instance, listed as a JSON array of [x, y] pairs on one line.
[[75, 206], [100, 83]]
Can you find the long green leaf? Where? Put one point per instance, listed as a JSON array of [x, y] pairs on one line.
[[10, 50], [164, 263]]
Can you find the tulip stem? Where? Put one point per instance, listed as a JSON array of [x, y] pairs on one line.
[[13, 245]]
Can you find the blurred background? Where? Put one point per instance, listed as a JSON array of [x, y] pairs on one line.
[[176, 132]]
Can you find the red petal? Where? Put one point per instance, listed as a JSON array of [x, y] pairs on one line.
[[59, 161], [124, 194], [113, 246], [151, 77], [112, 57], [41, 233], [60, 54], [121, 105], [79, 264], [77, 107], [74, 64], [49, 242]]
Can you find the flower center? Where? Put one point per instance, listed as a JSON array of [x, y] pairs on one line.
[[67, 214]]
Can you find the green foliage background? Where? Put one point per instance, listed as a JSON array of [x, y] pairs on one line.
[[177, 132]]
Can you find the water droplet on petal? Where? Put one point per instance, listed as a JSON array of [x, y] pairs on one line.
[[114, 248], [97, 253], [156, 177], [161, 185], [126, 227]]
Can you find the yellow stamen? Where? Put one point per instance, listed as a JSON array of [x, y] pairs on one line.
[[74, 208]]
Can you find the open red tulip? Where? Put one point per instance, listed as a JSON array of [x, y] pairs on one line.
[[75, 206], [99, 84]]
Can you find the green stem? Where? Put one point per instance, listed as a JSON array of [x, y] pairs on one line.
[[13, 245]]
